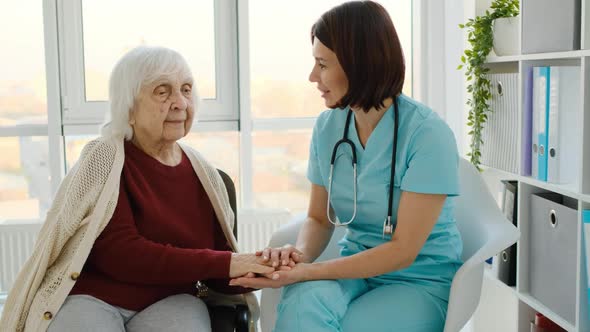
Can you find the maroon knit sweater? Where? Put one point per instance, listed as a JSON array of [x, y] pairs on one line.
[[162, 238]]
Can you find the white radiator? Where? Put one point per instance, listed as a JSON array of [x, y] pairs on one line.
[[16, 244], [255, 227]]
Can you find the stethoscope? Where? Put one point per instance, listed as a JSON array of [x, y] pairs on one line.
[[387, 225]]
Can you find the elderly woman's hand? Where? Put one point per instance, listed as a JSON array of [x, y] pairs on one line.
[[283, 276], [286, 255], [242, 264]]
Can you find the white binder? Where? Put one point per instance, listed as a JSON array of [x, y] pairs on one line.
[[500, 132], [564, 134]]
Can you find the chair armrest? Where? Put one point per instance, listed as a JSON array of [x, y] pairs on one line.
[[229, 318], [500, 237], [466, 287], [242, 318]]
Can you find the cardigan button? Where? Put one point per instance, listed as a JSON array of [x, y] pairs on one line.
[[47, 315], [74, 276]]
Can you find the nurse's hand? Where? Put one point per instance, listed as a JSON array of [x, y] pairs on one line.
[[284, 276], [241, 264], [286, 255]]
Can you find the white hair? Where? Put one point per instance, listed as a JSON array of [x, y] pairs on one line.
[[141, 66]]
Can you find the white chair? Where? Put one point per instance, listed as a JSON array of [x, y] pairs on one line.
[[484, 230]]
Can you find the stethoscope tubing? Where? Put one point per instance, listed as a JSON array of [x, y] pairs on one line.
[[387, 225]]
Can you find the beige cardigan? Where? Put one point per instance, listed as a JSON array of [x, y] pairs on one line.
[[83, 206]]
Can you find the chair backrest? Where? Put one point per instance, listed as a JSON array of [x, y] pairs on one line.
[[231, 193], [485, 232]]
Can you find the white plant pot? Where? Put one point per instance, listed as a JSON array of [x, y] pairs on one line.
[[506, 30]]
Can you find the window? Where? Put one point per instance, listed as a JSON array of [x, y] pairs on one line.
[[24, 178], [22, 83], [280, 169], [282, 102], [177, 24], [221, 149], [281, 60], [24, 164], [74, 146], [54, 86], [92, 48], [281, 96]]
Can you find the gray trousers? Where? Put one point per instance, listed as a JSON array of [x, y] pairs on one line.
[[88, 314]]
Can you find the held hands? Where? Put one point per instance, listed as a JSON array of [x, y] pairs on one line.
[[287, 265], [287, 255], [242, 264]]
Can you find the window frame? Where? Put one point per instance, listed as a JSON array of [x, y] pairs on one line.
[[69, 114], [76, 110]]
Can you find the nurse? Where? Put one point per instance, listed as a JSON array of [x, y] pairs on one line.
[[395, 279]]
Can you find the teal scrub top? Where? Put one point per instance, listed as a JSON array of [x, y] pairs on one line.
[[427, 162]]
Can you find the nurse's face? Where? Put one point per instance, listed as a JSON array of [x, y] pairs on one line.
[[328, 74]]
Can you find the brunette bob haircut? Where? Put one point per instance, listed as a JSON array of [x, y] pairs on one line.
[[366, 44]]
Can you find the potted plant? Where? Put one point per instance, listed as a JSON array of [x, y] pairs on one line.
[[481, 40], [506, 31]]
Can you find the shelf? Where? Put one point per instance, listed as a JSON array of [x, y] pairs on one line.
[[565, 190], [512, 100], [538, 56], [529, 300], [503, 59], [539, 307], [562, 189]]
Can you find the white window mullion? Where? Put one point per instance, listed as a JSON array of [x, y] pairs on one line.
[[75, 108], [54, 117], [225, 105], [24, 130], [244, 102]]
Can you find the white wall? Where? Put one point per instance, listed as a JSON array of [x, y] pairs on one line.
[[441, 43]]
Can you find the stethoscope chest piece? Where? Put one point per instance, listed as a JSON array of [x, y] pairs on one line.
[[387, 227]]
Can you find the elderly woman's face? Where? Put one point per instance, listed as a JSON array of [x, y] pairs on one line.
[[164, 110]]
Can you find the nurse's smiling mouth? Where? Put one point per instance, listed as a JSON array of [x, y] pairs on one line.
[[324, 92]]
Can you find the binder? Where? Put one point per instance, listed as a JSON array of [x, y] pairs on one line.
[[541, 81], [586, 251], [527, 119], [500, 133], [507, 257], [563, 133]]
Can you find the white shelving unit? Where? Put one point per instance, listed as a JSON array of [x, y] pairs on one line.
[[578, 192]]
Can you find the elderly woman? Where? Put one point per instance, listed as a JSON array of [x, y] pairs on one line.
[[137, 223]]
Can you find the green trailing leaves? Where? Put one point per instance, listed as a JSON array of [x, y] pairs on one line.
[[481, 40]]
